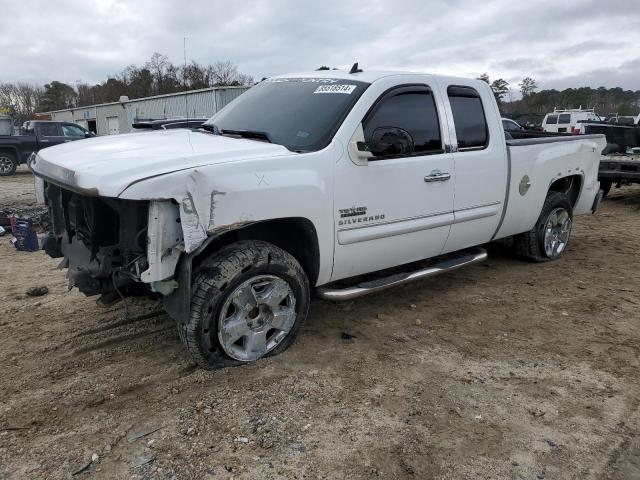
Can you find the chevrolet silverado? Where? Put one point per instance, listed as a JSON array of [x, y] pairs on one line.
[[344, 182]]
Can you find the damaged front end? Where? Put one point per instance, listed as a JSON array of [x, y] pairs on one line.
[[113, 247]]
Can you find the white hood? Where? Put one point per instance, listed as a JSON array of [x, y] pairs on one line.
[[108, 165]]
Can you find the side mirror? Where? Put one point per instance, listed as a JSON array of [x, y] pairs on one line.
[[89, 134], [390, 141]]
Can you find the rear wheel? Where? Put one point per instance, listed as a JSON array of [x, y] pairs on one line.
[[249, 301], [549, 237], [8, 164]]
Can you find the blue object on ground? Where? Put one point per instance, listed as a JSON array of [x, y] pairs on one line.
[[25, 235]]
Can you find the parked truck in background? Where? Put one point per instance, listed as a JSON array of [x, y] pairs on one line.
[[35, 135], [619, 169], [308, 181], [620, 162]]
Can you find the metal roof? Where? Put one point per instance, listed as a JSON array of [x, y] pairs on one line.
[[133, 100]]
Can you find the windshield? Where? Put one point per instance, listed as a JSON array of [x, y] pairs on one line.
[[301, 114]]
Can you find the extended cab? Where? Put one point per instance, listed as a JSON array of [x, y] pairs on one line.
[[308, 181], [38, 134]]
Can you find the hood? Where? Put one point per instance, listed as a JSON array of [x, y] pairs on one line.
[[108, 165]]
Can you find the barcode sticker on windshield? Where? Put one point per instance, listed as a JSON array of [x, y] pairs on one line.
[[348, 89]]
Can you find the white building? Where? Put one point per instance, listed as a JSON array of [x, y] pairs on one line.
[[116, 117]]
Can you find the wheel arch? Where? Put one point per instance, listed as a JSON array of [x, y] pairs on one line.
[[295, 235], [571, 186], [12, 150]]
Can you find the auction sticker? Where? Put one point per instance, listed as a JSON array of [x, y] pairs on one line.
[[348, 89]]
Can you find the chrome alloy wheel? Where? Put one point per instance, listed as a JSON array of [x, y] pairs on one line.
[[6, 164], [556, 232], [256, 317]]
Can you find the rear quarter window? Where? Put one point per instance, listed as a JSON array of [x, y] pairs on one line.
[[472, 131]]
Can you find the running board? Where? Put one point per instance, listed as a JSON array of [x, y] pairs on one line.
[[364, 288]]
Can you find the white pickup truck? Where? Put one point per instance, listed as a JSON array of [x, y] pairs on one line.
[[303, 181]]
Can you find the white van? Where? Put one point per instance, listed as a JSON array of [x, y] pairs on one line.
[[566, 121]]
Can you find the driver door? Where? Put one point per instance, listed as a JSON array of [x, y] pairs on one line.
[[396, 206]]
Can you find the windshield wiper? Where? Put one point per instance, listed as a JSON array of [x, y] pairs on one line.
[[251, 134], [210, 127]]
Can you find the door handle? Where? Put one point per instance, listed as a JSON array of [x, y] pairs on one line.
[[437, 176]]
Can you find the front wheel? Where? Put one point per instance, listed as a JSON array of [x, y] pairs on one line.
[[249, 301], [8, 164], [549, 237]]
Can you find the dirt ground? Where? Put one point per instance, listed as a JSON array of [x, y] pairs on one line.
[[505, 370]]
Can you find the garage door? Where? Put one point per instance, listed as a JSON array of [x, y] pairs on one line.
[[113, 125]]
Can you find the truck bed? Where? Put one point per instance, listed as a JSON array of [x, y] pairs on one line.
[[533, 160]]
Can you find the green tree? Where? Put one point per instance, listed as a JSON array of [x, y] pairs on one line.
[[528, 85], [58, 96], [485, 78], [500, 88]]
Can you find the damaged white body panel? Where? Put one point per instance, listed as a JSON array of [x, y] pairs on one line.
[[164, 241], [217, 198]]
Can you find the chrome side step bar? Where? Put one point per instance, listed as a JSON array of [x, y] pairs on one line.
[[365, 288]]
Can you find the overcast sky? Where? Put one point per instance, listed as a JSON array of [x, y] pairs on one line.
[[560, 43]]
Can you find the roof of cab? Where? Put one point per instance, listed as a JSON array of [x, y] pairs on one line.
[[368, 76]]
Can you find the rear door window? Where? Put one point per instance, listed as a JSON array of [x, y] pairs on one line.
[[564, 118], [552, 119], [472, 131], [411, 109], [48, 130]]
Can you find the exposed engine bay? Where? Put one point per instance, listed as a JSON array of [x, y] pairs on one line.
[[103, 242]]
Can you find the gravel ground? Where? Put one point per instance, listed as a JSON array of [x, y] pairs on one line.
[[505, 370]]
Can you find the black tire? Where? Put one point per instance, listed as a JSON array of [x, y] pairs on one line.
[[8, 164], [605, 185], [214, 282], [530, 245]]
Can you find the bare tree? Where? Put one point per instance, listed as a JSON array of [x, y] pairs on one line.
[[195, 76], [22, 98], [157, 76], [225, 73], [158, 65]]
